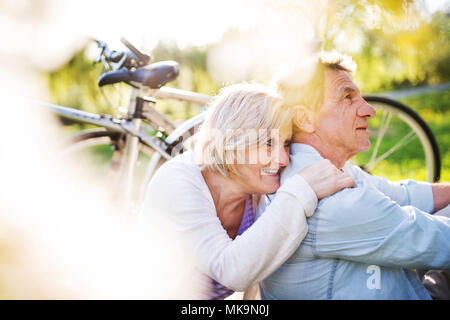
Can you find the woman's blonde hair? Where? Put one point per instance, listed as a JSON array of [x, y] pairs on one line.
[[241, 117]]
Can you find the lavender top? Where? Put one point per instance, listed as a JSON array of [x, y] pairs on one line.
[[218, 291]]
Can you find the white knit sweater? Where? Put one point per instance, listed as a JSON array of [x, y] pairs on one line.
[[179, 191]]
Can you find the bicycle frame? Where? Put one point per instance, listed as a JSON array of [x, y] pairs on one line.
[[127, 126], [131, 127]]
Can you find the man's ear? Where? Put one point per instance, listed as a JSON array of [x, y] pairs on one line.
[[303, 119]]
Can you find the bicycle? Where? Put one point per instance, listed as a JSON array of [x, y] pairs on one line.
[[144, 131]]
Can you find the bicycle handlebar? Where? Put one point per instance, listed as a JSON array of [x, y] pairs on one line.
[[132, 59], [110, 56]]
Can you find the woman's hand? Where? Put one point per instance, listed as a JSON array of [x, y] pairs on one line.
[[325, 179]]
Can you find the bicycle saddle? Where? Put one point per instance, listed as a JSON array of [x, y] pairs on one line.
[[153, 76]]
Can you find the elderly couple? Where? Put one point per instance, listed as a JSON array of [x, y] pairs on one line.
[[283, 211]]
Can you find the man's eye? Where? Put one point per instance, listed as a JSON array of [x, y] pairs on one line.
[[348, 97]]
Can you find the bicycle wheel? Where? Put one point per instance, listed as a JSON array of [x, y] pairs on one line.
[[402, 144], [99, 152]]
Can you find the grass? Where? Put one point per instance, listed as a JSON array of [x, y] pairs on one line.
[[434, 108]]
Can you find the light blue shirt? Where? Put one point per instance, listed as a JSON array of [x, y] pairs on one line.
[[362, 242]]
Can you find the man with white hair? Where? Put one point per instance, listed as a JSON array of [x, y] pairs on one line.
[[362, 242]]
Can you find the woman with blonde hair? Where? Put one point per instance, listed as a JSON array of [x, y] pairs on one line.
[[211, 192]]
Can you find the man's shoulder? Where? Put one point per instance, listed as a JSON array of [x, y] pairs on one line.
[[352, 214], [298, 161], [362, 199]]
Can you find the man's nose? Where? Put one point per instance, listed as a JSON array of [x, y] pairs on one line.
[[366, 110]]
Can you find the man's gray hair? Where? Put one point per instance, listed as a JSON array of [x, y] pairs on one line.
[[310, 93]]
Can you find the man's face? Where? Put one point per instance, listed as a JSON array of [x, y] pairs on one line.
[[341, 121]]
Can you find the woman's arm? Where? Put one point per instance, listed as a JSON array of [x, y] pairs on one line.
[[179, 192]]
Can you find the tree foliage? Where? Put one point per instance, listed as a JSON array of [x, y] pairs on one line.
[[394, 44]]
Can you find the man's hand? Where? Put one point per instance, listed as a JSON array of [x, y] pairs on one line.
[[441, 195]]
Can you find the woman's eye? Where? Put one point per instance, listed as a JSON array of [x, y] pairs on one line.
[[348, 97], [270, 143]]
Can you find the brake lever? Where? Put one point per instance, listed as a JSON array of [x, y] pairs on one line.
[[99, 58]]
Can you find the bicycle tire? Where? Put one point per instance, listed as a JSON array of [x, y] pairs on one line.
[[100, 133], [403, 113]]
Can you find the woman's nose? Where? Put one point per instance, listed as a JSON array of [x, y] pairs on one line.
[[284, 156]]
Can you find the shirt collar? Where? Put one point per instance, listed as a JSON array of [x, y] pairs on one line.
[[303, 148]]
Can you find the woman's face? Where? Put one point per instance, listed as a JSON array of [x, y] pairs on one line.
[[261, 174]]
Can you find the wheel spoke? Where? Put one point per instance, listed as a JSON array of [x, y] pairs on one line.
[[404, 141], [387, 116]]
